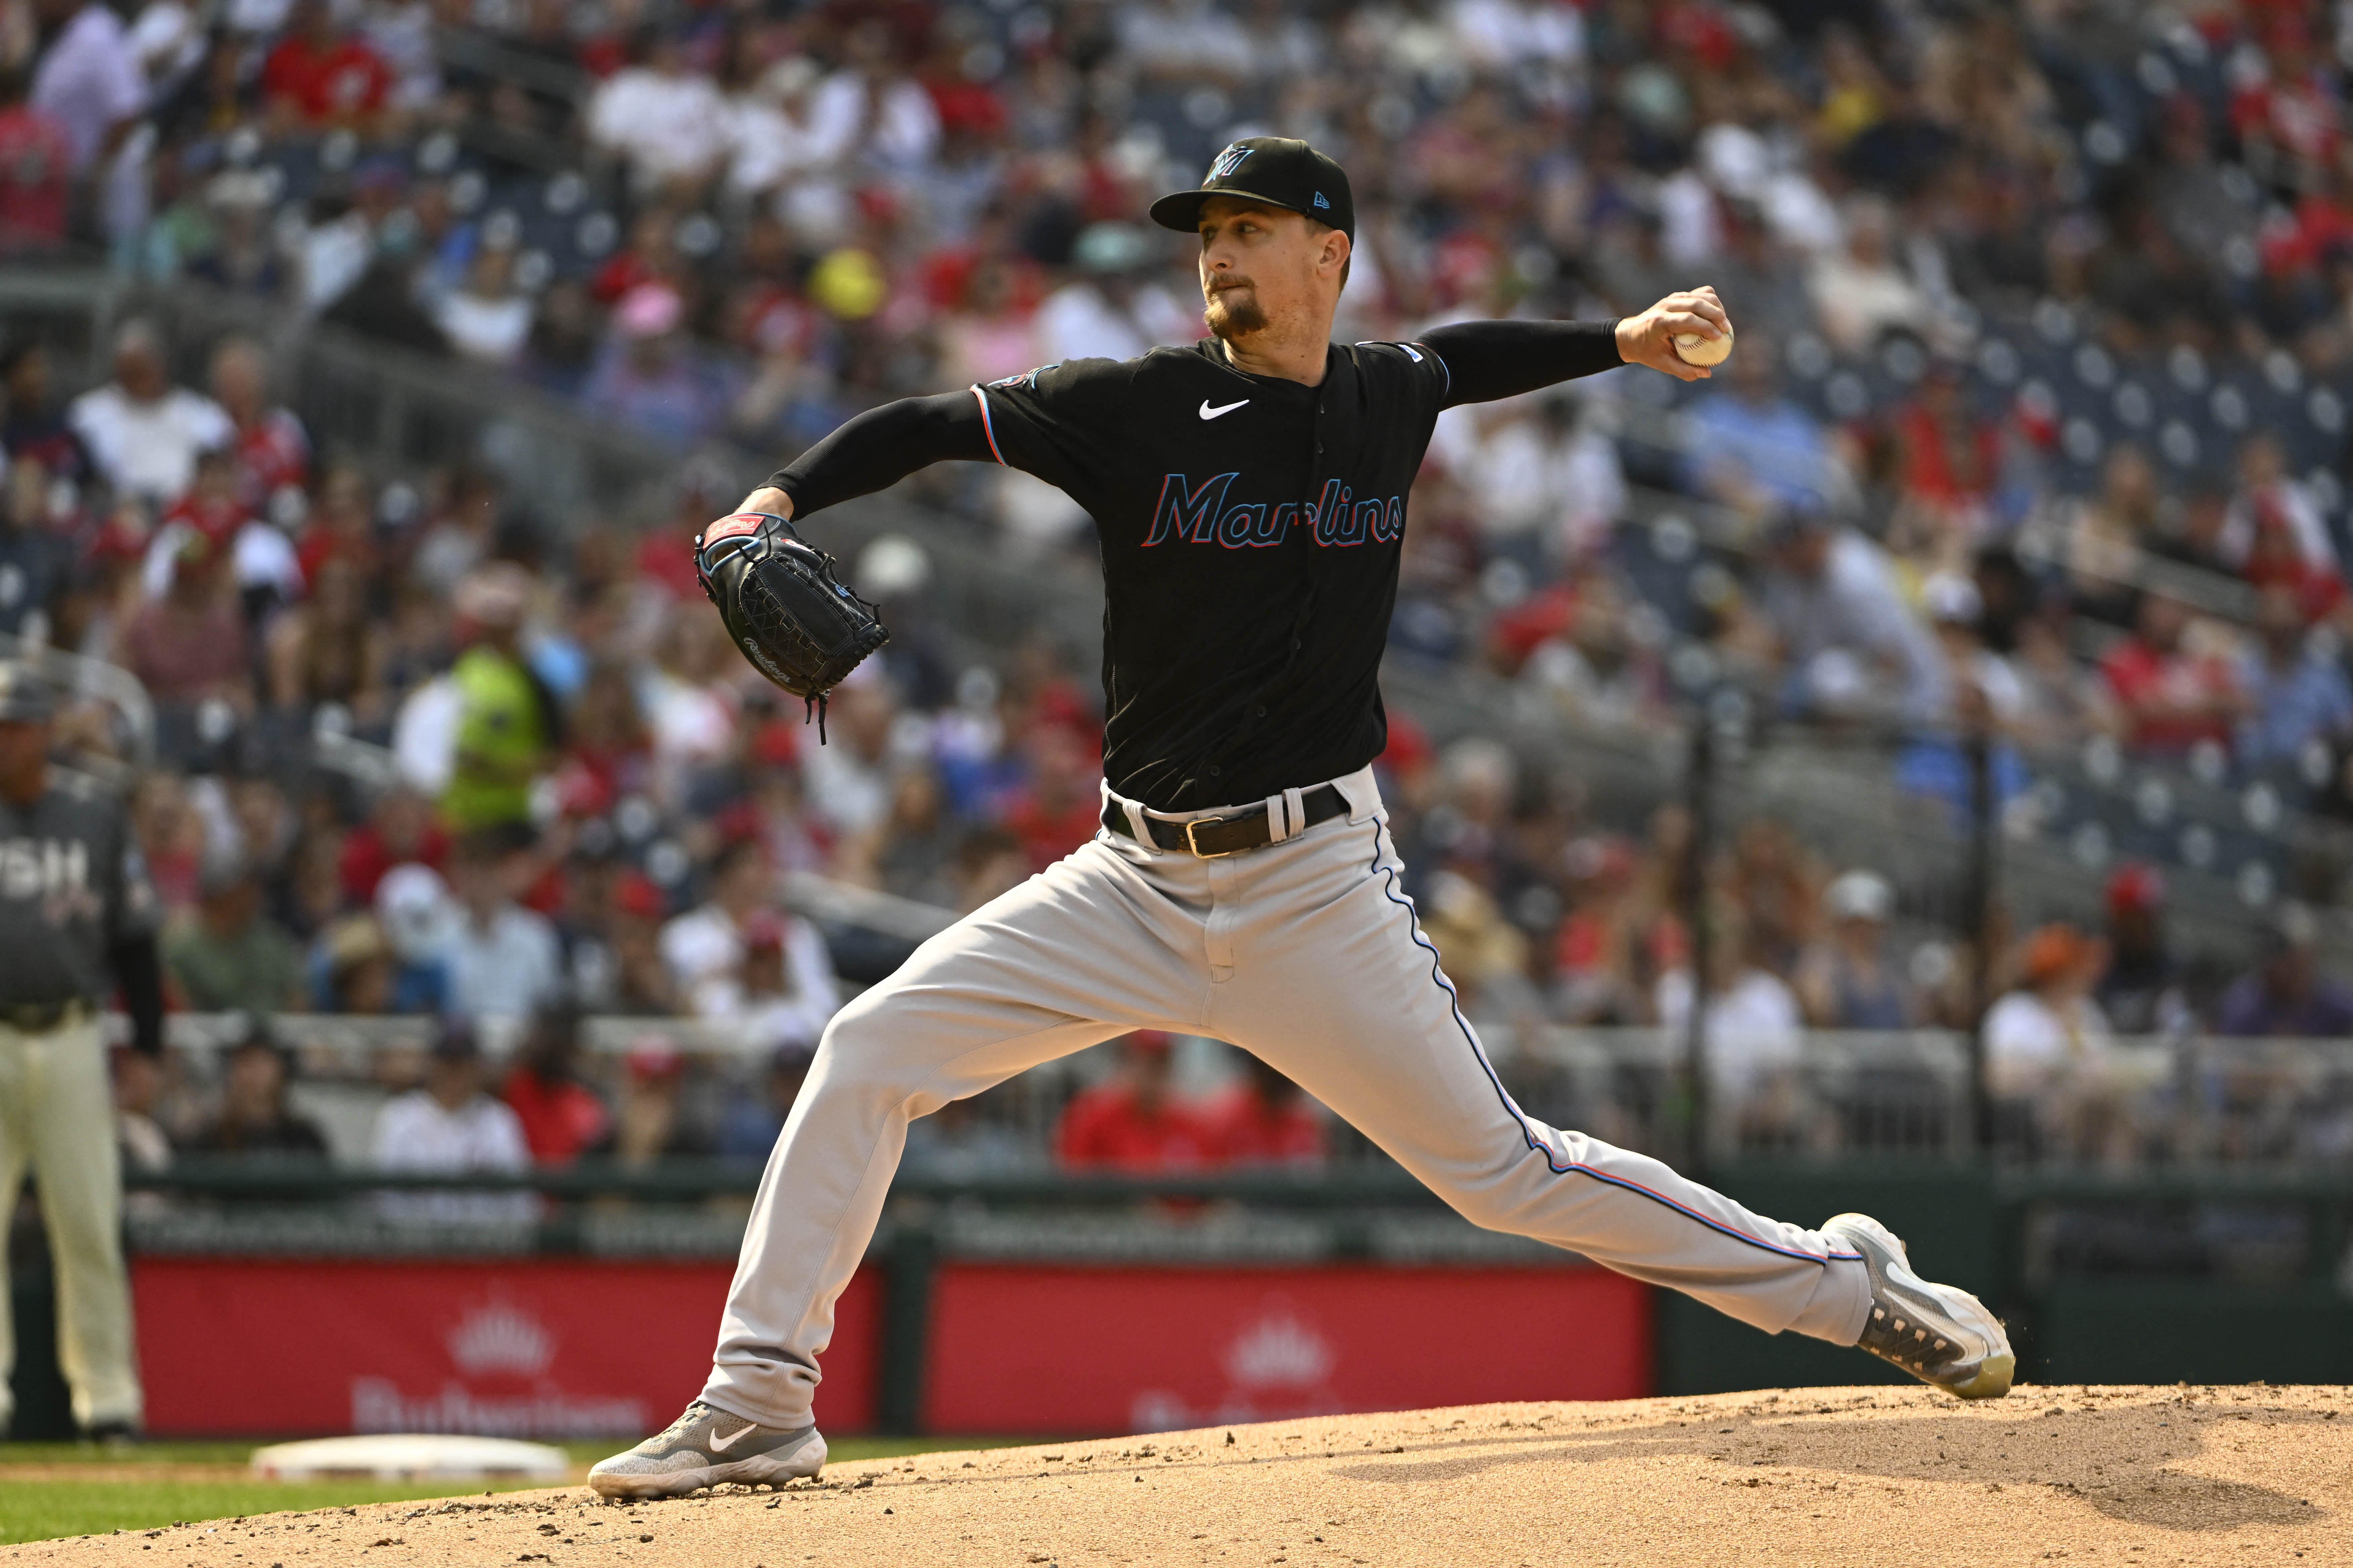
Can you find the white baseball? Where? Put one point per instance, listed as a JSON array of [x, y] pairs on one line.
[[1693, 349]]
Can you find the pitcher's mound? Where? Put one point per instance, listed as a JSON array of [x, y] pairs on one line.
[[1803, 1476]]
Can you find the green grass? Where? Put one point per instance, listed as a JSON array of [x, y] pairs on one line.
[[123, 1490]]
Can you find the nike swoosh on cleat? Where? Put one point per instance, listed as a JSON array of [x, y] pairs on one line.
[[1210, 412], [719, 1445]]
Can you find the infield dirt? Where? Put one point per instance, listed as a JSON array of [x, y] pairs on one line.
[[1884, 1477]]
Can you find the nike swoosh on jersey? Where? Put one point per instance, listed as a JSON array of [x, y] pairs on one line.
[[1210, 412]]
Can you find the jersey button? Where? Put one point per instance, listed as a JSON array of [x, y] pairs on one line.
[[1215, 772], [1261, 710]]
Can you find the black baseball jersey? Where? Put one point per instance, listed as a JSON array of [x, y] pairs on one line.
[[74, 890], [1251, 529]]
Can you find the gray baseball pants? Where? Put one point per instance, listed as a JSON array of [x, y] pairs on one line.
[[57, 1116], [1306, 954]]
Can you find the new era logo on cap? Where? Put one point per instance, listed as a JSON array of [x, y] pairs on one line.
[[1320, 202]]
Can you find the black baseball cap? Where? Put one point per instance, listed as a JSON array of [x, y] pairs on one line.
[[27, 695], [1276, 170]]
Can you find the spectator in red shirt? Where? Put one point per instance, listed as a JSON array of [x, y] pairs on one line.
[[273, 452], [2173, 694], [562, 1117], [1265, 1119], [400, 830], [35, 161], [324, 74], [1131, 1122], [1060, 806]]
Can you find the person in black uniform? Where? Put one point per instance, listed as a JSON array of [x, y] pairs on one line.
[[77, 922], [1250, 492]]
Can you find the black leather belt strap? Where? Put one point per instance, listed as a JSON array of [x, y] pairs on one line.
[[1208, 837]]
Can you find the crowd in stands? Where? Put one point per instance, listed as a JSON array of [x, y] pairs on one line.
[[2033, 428]]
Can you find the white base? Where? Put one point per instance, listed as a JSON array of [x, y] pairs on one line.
[[395, 1457]]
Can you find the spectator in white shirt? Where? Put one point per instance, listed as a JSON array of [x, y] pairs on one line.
[[143, 432], [897, 126], [739, 957], [2048, 1030], [450, 1125], [669, 124], [487, 318], [506, 961], [784, 130]]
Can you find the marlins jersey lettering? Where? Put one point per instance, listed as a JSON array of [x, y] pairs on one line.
[[72, 885], [1251, 529]]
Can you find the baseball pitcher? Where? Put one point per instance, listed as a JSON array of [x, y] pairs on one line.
[[1250, 492], [77, 920]]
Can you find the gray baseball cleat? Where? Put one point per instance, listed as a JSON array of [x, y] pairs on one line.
[[1943, 1336], [708, 1448]]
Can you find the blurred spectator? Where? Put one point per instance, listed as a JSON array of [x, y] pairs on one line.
[[190, 646], [400, 829], [738, 957], [2284, 994], [487, 318], [37, 158], [2170, 681], [650, 1123], [138, 1079], [749, 1127], [666, 121], [2274, 534], [1751, 447], [1841, 632], [88, 79], [647, 379], [450, 1127], [959, 1140], [272, 450], [322, 73], [1847, 979], [37, 428], [2296, 692], [504, 722], [354, 968], [504, 960], [1265, 1119], [422, 925], [2050, 1027], [1132, 1123], [1754, 1032], [254, 1119], [560, 1116], [2140, 991], [227, 956], [141, 432], [328, 648]]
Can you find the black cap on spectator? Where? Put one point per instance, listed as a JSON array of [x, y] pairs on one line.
[[1276, 170], [26, 696], [455, 1042]]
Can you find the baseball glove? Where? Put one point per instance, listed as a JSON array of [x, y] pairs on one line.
[[783, 607]]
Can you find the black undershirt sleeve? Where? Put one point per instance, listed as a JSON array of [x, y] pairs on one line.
[[140, 972], [883, 446], [1488, 360]]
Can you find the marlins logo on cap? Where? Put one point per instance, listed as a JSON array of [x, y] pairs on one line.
[[1278, 170]]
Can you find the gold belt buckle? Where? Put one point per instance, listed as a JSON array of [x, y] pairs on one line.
[[1193, 845]]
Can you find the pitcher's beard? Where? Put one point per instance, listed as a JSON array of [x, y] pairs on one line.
[[1231, 317]]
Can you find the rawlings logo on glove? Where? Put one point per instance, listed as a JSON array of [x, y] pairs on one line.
[[783, 607]]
